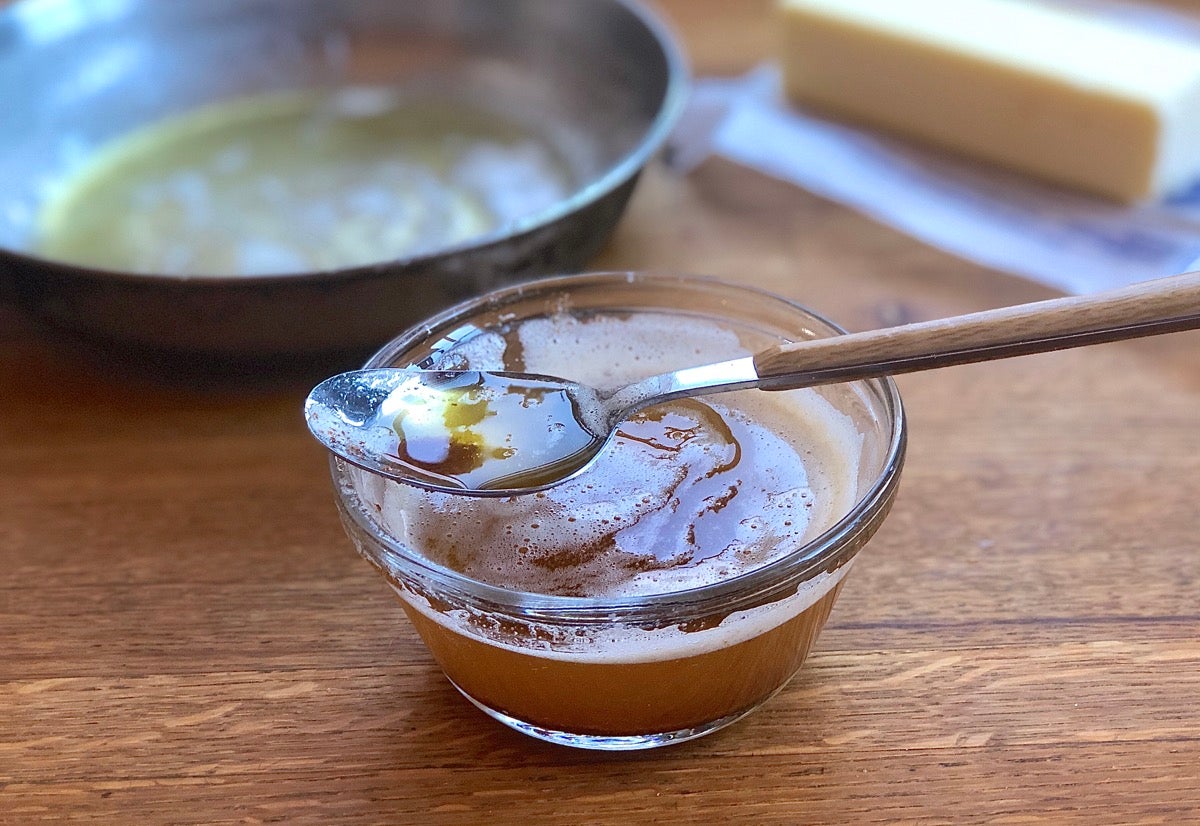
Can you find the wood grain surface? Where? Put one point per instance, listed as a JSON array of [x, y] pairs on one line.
[[188, 637]]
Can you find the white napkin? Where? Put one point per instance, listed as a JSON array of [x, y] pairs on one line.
[[996, 218]]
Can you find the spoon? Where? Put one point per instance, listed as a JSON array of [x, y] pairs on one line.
[[502, 434]]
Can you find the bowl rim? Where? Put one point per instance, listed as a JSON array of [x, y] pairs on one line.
[[832, 549], [614, 176]]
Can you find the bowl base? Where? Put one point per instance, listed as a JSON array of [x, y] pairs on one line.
[[598, 742]]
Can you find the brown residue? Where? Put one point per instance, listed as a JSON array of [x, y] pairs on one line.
[[514, 350], [463, 456]]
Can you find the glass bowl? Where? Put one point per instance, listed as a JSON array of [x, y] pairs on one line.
[[644, 668]]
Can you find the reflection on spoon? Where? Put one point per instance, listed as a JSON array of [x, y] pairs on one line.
[[502, 434], [454, 430]]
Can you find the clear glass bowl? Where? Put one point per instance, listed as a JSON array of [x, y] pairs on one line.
[[638, 671]]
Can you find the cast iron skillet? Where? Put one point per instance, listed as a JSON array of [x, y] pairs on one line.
[[601, 79]]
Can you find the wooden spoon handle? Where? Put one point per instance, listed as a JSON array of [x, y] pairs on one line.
[[1160, 306]]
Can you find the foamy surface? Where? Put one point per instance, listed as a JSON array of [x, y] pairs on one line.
[[688, 494], [620, 644]]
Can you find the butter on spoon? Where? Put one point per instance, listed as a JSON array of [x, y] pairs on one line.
[[464, 431], [504, 434]]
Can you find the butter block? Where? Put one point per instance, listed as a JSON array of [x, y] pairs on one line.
[[1063, 95]]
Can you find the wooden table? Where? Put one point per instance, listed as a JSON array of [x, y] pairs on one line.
[[187, 636]]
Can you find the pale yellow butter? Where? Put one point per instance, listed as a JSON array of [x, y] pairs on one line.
[[1064, 95]]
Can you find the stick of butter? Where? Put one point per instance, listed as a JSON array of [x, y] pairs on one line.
[[1063, 95]]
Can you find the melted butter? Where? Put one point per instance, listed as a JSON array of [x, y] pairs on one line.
[[685, 494], [480, 431], [710, 478], [298, 182], [715, 473]]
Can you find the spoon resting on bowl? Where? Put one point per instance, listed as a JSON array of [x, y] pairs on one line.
[[503, 434]]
